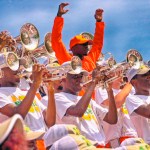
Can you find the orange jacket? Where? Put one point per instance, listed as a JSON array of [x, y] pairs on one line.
[[89, 61]]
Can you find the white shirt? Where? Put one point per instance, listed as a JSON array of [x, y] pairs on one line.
[[89, 125], [142, 124], [124, 126], [34, 118]]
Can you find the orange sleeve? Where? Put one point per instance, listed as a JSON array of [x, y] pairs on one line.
[[57, 44], [89, 61], [97, 42]]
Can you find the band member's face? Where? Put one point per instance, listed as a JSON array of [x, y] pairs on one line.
[[11, 77]]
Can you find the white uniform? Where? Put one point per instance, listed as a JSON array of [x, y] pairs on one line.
[[142, 124], [34, 118], [89, 124], [124, 126]]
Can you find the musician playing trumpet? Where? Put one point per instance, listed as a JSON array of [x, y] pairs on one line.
[[81, 110], [15, 101]]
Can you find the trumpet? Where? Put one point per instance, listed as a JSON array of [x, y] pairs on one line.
[[106, 59], [107, 62], [114, 70], [59, 72]]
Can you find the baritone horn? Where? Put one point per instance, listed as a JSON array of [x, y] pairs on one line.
[[44, 54], [88, 36], [9, 59], [28, 40], [29, 36], [134, 58]]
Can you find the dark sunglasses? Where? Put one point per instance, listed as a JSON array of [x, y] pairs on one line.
[[77, 76], [84, 44]]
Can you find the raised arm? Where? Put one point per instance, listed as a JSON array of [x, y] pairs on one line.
[[111, 116], [50, 113], [57, 43], [98, 36], [121, 96]]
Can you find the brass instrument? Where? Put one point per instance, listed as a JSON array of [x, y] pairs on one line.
[[9, 59], [41, 55], [29, 36], [106, 59], [58, 72], [28, 40], [134, 58], [113, 70], [26, 63], [88, 36], [44, 54]]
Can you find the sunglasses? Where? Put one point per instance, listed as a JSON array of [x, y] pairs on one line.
[[77, 76], [84, 44]]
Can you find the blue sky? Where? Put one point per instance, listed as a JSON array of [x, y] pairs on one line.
[[127, 22]]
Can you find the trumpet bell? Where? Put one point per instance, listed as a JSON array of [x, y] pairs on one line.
[[29, 36], [133, 57], [47, 43], [76, 64], [9, 59]]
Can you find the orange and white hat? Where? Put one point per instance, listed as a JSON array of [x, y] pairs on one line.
[[79, 39]]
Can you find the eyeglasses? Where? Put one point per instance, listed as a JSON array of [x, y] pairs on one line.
[[77, 76]]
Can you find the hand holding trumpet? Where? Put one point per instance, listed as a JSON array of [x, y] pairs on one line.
[[37, 74]]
